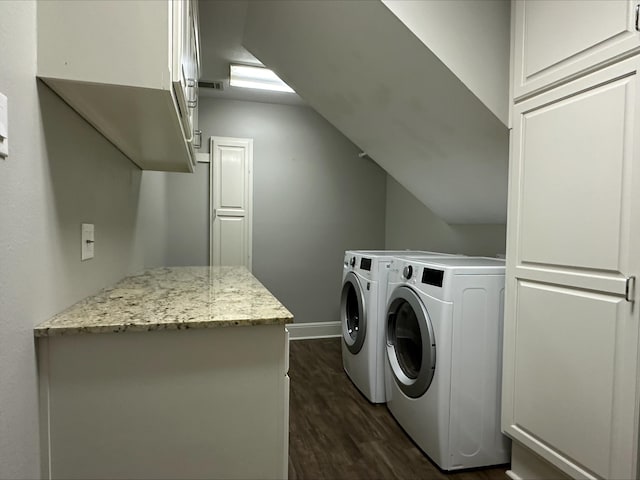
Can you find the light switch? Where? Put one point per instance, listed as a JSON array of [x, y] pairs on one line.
[[4, 127], [88, 241]]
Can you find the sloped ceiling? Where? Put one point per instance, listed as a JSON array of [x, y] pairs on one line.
[[221, 27], [367, 73], [470, 37]]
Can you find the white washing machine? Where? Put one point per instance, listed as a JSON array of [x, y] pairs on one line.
[[443, 335], [362, 308]]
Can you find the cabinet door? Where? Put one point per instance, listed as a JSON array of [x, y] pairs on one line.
[[184, 74], [192, 66], [555, 40], [570, 387]]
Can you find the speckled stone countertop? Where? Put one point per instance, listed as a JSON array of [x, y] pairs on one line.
[[172, 299]]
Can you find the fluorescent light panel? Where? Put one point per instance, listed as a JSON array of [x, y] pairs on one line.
[[261, 78]]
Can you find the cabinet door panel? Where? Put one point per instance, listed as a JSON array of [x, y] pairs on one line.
[[185, 63], [555, 40], [573, 163], [574, 153], [231, 248], [180, 71], [232, 184], [565, 370]]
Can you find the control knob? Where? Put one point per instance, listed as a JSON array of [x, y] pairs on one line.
[[407, 272]]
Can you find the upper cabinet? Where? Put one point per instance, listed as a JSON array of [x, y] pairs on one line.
[[130, 69], [555, 41]]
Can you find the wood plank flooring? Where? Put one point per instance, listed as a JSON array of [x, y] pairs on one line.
[[335, 433]]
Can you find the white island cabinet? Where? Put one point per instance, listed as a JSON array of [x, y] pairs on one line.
[[173, 373], [130, 68]]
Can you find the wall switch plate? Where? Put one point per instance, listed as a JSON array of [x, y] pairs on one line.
[[87, 241], [4, 127]]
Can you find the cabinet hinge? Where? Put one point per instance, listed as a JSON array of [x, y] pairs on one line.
[[630, 289]]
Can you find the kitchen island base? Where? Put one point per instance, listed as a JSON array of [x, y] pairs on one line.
[[166, 404]]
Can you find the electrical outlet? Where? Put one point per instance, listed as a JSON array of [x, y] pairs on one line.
[[88, 241]]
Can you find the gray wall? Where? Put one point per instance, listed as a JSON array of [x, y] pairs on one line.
[[313, 199], [152, 226], [410, 224], [188, 217], [60, 173]]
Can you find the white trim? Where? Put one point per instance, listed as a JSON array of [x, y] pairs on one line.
[[513, 475], [202, 158], [310, 330]]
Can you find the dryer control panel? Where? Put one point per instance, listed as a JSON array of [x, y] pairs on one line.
[[365, 264], [431, 276]]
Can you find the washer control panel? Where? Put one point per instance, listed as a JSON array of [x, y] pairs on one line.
[[365, 264]]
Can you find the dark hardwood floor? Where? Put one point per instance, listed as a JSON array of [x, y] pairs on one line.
[[335, 433]]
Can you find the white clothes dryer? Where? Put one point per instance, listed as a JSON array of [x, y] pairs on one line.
[[362, 309], [443, 342]]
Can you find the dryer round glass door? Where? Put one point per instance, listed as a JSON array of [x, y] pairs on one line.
[[353, 314], [411, 346]]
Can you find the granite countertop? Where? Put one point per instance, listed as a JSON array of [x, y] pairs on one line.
[[172, 299]]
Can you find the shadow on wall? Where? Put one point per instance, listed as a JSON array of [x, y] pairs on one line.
[[412, 225], [90, 181]]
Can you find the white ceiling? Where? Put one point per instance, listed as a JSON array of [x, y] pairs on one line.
[[221, 32]]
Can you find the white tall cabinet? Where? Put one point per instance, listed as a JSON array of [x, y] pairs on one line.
[[571, 392]]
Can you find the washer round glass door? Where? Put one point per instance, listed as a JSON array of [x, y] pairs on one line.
[[353, 314], [411, 346]]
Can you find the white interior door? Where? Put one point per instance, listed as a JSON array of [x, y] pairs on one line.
[[231, 200]]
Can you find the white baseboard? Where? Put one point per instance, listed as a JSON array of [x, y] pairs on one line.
[[306, 331], [513, 475]]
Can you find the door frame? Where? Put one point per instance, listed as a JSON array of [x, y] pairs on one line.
[[247, 143]]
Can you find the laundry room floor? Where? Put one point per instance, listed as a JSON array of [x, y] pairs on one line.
[[335, 433]]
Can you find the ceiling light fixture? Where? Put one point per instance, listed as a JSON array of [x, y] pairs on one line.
[[261, 78]]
